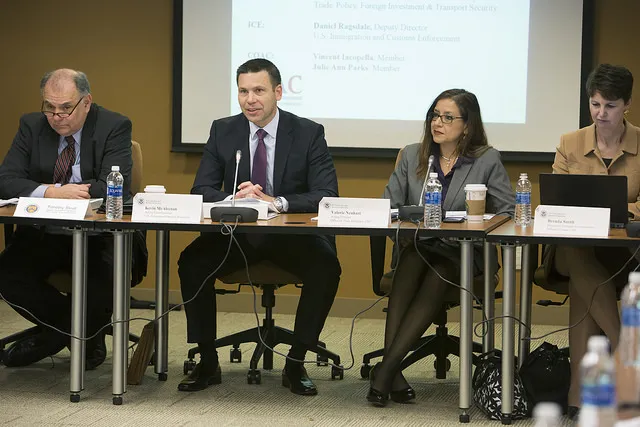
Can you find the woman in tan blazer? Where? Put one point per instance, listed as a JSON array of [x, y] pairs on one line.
[[608, 147]]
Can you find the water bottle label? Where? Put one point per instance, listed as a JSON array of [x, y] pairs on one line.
[[630, 316], [114, 191], [523, 198], [600, 395], [435, 198]]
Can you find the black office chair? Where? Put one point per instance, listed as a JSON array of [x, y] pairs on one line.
[[440, 344], [268, 277]]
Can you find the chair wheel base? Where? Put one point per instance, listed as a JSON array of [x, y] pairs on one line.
[[254, 376], [162, 376], [74, 398], [506, 419], [365, 370], [464, 418], [188, 366], [235, 355], [117, 400], [337, 372]]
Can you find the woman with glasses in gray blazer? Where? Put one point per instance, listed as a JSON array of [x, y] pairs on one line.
[[455, 136]]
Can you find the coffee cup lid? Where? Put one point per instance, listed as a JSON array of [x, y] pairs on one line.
[[154, 189], [475, 187]]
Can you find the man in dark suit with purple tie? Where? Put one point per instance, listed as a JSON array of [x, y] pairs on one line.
[[64, 151], [285, 161]]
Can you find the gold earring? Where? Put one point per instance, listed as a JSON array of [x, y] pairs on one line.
[[626, 112]]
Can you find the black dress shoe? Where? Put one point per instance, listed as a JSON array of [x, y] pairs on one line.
[[202, 377], [405, 395], [374, 396], [32, 349], [96, 352], [573, 412], [295, 378]]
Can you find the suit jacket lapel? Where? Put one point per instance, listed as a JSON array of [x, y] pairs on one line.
[[459, 177], [242, 144], [48, 147], [87, 145], [284, 140]]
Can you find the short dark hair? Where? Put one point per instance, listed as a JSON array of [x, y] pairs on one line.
[[474, 142], [611, 81], [260, 64], [79, 78]]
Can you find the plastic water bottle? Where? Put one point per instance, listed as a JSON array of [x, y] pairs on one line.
[[547, 414], [523, 201], [630, 328], [597, 371], [433, 202], [115, 183]]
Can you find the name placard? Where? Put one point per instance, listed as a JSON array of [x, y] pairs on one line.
[[167, 208], [36, 207], [354, 212], [571, 221]]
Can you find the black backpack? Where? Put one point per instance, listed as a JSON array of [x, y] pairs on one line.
[[546, 375]]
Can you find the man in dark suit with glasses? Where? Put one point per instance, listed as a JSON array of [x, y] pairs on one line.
[[65, 151]]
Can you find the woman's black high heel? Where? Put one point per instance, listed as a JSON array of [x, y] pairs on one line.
[[405, 395], [374, 396]]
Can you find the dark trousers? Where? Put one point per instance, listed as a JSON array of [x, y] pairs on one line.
[[312, 258], [31, 257]]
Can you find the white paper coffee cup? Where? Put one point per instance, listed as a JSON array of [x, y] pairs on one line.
[[475, 201], [155, 189]]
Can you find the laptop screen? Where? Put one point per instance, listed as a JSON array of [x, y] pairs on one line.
[[592, 191]]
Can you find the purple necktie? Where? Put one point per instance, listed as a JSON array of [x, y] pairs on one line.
[[259, 172], [65, 162]]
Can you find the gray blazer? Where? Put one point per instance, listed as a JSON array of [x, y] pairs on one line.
[[404, 188]]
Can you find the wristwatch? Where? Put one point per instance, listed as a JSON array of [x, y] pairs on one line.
[[278, 204]]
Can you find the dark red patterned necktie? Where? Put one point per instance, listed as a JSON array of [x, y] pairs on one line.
[[65, 162]]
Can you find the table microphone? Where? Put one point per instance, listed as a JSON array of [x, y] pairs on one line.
[[233, 213], [426, 178], [416, 213]]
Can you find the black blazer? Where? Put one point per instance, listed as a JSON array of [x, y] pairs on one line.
[[303, 172], [106, 141]]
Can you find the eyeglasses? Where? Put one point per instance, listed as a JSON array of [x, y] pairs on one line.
[[64, 114], [446, 118]]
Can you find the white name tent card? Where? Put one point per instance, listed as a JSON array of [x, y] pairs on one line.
[[354, 212], [571, 221], [37, 207], [261, 206], [169, 208]]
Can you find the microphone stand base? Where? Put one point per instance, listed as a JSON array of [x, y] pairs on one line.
[[411, 213], [232, 214]]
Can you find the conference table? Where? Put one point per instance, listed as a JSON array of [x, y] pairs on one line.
[[508, 235], [465, 233]]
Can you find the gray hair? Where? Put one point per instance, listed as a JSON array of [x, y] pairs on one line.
[[79, 78]]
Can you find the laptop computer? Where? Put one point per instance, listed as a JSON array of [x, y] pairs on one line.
[[592, 191]]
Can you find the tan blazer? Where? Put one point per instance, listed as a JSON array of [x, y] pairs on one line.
[[577, 154]]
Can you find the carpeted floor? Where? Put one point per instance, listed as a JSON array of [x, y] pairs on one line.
[[39, 394]]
